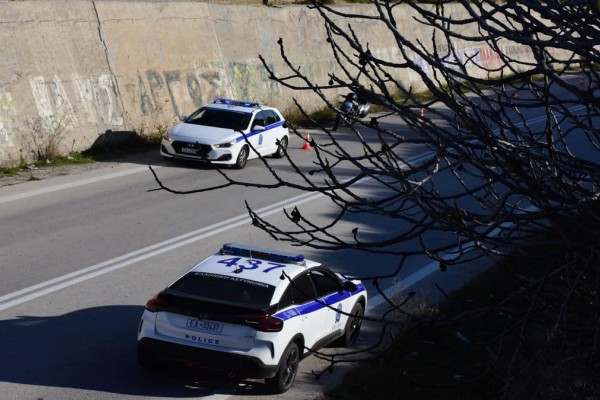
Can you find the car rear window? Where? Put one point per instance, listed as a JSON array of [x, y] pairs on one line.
[[227, 119], [225, 288]]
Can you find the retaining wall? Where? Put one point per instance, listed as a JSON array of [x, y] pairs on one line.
[[78, 68]]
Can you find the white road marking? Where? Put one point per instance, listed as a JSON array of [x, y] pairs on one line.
[[405, 283], [53, 285], [61, 282]]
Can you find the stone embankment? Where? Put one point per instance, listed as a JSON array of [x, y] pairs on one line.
[[72, 70]]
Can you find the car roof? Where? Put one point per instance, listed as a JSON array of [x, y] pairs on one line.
[[255, 263]]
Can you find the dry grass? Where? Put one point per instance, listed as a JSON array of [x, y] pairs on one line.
[[276, 2], [457, 352]]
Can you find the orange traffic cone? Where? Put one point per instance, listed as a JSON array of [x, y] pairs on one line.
[[306, 145], [422, 113]]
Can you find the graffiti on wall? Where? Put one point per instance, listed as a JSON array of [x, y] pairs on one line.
[[476, 59], [491, 59], [80, 101], [100, 99], [469, 58], [96, 101], [178, 92], [54, 107]]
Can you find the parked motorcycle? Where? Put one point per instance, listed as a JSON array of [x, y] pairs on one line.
[[352, 107]]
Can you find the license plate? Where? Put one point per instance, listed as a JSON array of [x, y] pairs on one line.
[[188, 150], [205, 326]]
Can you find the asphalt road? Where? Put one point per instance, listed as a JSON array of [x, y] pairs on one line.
[[80, 254]]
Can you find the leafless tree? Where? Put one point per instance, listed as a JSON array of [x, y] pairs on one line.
[[493, 180]]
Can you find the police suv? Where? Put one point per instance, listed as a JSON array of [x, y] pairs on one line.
[[228, 132], [251, 312]]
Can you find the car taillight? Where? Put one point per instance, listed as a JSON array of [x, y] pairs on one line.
[[265, 323], [157, 304]]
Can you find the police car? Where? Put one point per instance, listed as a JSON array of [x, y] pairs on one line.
[[251, 312], [228, 132]]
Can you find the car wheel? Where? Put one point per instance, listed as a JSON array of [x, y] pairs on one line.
[[286, 373], [283, 143], [146, 361], [352, 326], [336, 125], [242, 158]]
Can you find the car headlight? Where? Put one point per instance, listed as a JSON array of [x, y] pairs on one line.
[[168, 137], [224, 145]]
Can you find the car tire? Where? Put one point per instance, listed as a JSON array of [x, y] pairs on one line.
[[352, 326], [281, 148], [146, 361], [242, 158], [286, 373], [338, 121]]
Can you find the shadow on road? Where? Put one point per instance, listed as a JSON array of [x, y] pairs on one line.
[[91, 349]]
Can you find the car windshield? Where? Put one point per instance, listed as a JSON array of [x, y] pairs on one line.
[[225, 288], [219, 118]]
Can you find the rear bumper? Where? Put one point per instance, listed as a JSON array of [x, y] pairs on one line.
[[240, 365]]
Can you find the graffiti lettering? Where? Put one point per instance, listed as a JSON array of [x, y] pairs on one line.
[[41, 96], [106, 87], [188, 90], [193, 87], [51, 101], [98, 99], [145, 101], [8, 113], [156, 85], [173, 80]]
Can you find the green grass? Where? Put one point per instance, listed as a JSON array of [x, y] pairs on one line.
[[6, 172], [297, 119], [69, 159], [73, 158], [140, 144]]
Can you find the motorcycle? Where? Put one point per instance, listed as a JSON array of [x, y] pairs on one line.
[[353, 107]]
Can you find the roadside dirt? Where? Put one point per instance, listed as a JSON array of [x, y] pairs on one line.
[[270, 3], [35, 174], [265, 2]]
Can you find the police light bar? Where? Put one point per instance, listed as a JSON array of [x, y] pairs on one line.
[[241, 103], [262, 253]]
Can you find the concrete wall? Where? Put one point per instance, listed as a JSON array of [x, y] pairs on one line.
[[77, 68]]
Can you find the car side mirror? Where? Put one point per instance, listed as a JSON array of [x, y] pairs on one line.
[[182, 118], [349, 286]]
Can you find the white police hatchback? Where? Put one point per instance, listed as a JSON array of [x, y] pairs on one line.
[[228, 132], [251, 312]]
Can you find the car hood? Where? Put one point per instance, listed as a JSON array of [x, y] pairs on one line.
[[202, 134]]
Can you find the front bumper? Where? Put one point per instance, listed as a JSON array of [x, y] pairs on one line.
[[196, 152], [241, 365]]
